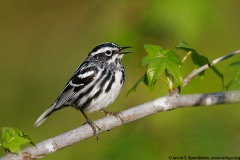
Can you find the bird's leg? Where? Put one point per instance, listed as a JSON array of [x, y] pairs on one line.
[[92, 125], [115, 114]]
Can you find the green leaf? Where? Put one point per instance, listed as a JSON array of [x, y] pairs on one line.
[[153, 49], [159, 60], [199, 60], [173, 65], [155, 70], [154, 52], [13, 138], [230, 83], [234, 64], [236, 78], [134, 88]]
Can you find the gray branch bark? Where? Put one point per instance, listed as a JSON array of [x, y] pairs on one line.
[[166, 103]]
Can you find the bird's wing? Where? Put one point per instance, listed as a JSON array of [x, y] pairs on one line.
[[84, 75]]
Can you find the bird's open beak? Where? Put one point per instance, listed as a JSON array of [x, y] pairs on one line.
[[124, 52]]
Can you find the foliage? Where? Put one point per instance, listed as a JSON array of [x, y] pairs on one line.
[[13, 138], [236, 78], [198, 59], [160, 60], [169, 63]]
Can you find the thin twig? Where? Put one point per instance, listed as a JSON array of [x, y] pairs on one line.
[[197, 71]]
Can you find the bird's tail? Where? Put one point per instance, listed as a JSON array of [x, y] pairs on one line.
[[44, 116]]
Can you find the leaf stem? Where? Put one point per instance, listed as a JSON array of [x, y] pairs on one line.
[[185, 57], [170, 79]]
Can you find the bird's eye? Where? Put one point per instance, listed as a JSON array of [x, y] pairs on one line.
[[108, 53]]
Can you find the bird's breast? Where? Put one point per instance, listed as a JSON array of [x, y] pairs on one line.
[[104, 92]]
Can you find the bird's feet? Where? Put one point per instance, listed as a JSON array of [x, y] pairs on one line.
[[92, 124], [115, 114], [94, 127]]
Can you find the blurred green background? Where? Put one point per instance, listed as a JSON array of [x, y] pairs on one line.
[[42, 43]]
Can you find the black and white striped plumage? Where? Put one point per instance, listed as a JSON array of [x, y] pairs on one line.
[[95, 84]]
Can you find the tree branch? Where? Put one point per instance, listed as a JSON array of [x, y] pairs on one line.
[[197, 71], [166, 103]]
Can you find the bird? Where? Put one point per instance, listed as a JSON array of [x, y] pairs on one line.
[[94, 85]]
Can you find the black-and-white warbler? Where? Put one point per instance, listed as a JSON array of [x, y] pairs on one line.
[[95, 84]]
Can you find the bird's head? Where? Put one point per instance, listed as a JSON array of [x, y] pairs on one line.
[[108, 53]]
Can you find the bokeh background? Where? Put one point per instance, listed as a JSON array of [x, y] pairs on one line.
[[42, 43]]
